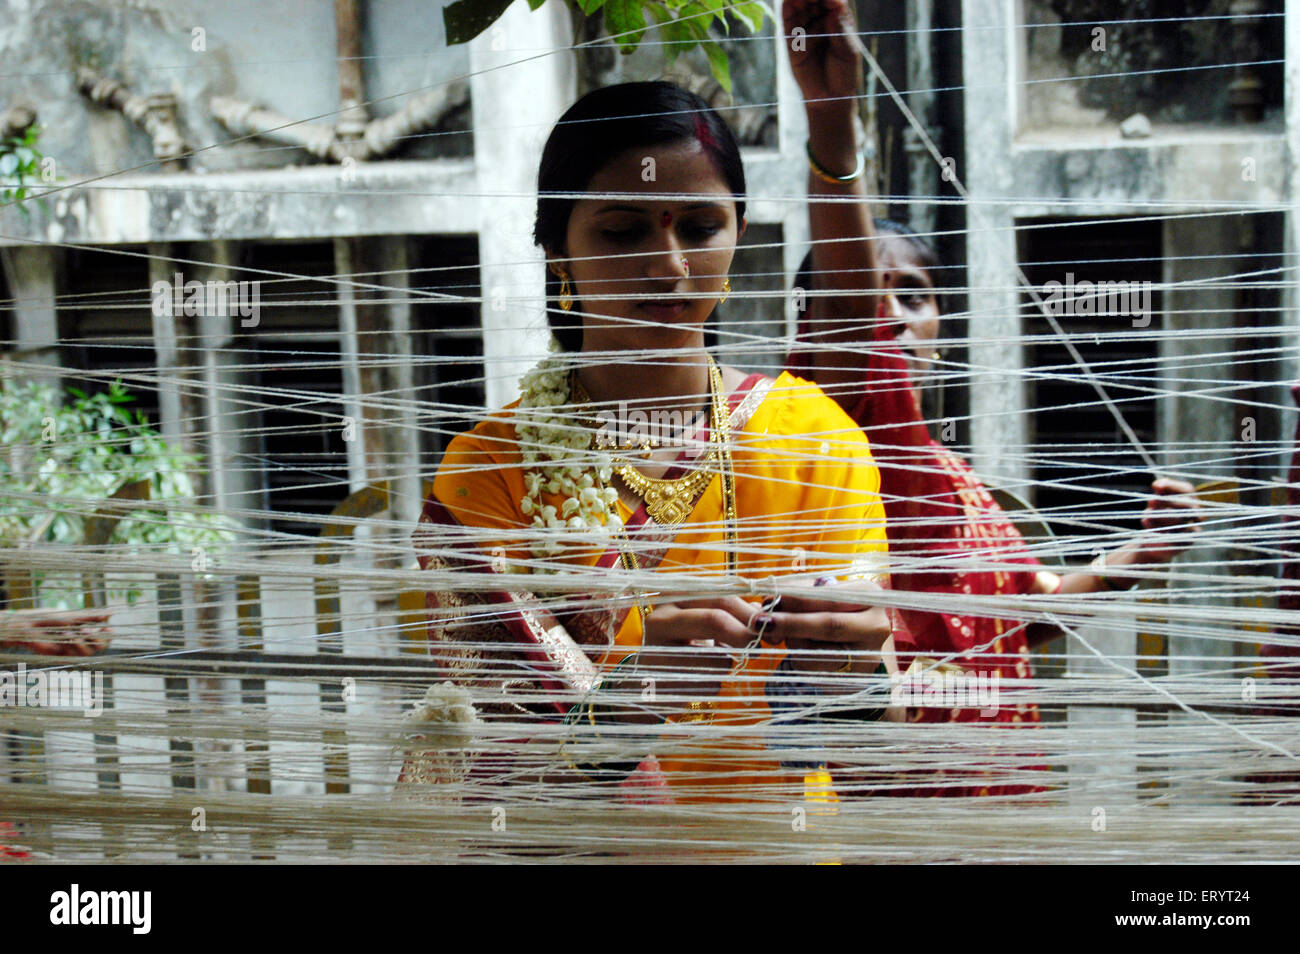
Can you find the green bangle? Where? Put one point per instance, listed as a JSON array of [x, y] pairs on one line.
[[871, 715], [596, 715], [820, 171], [861, 715]]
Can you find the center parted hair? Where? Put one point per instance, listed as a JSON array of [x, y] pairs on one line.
[[601, 126], [926, 256]]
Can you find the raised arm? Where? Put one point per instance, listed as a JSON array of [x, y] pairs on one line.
[[829, 73]]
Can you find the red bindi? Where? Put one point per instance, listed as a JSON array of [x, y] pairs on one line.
[[703, 135], [666, 219]]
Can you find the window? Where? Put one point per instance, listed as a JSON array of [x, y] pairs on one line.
[[446, 340], [106, 323], [294, 353], [1082, 458]]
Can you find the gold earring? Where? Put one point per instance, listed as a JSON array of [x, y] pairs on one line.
[[566, 293], [726, 289]]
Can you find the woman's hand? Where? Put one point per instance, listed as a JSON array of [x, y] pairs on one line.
[[689, 648], [826, 66], [684, 646], [827, 635], [1175, 513]]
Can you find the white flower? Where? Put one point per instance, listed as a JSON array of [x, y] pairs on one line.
[[548, 443]]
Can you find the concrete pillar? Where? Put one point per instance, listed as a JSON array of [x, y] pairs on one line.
[[1290, 332], [792, 135], [1102, 778], [1197, 433], [229, 446], [31, 272], [349, 254], [922, 173], [517, 96], [404, 417], [379, 381], [999, 422], [166, 344], [229, 484]]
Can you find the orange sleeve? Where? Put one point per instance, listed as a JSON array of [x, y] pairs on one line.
[[480, 483]]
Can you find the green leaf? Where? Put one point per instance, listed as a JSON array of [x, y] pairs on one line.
[[675, 43], [466, 19], [590, 6], [696, 17], [625, 20], [718, 64], [535, 4], [752, 14], [679, 34], [719, 10]]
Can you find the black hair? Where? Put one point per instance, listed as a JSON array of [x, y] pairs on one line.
[[925, 254], [597, 128]]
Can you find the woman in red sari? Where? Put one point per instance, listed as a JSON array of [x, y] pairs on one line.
[[947, 535]]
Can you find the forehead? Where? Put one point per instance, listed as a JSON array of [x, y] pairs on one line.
[[680, 167], [895, 253]]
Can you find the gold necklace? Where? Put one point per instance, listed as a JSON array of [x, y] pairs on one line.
[[722, 418], [720, 449], [670, 501]]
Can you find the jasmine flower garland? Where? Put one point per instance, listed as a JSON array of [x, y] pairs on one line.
[[549, 442]]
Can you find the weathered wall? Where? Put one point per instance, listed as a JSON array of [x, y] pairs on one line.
[[279, 54]]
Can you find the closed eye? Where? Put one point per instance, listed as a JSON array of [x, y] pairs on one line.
[[624, 236], [702, 230]]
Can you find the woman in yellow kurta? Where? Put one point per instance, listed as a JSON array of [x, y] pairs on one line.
[[765, 479]]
